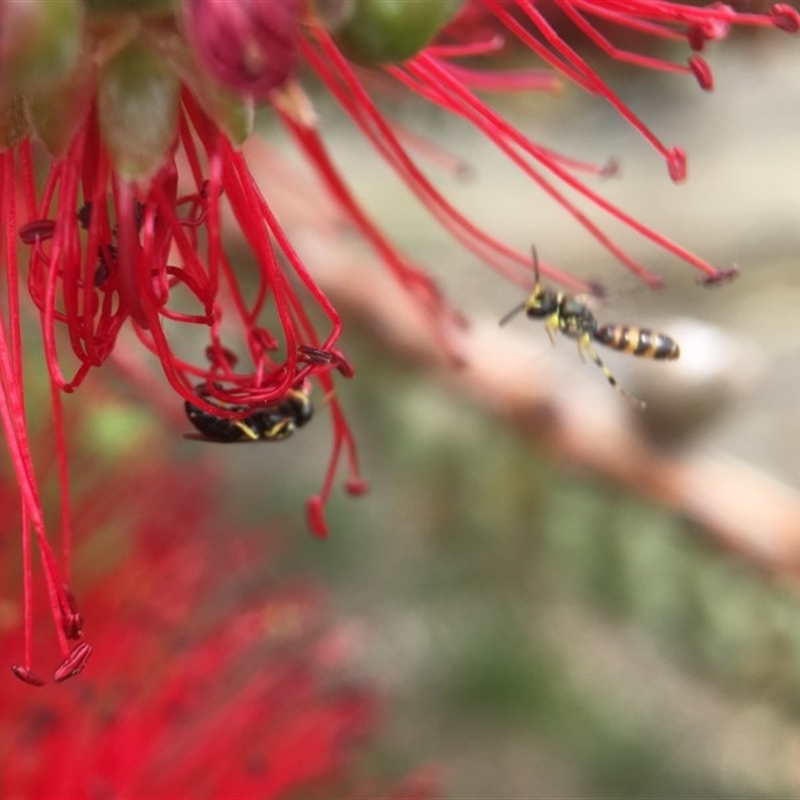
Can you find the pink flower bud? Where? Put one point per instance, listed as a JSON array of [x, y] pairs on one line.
[[248, 45]]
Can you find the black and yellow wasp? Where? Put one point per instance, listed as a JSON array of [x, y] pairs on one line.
[[272, 423], [572, 317]]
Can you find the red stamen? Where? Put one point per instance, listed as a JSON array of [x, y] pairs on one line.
[[785, 17], [27, 675], [12, 414], [527, 80], [676, 164], [493, 44], [37, 230], [357, 487], [74, 663], [701, 70], [578, 69], [315, 517], [360, 107], [72, 619], [617, 53], [721, 276]]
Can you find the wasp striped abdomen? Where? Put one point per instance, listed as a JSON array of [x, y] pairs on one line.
[[638, 342], [573, 318], [271, 423]]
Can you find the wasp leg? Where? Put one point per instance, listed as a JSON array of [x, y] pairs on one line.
[[280, 430], [551, 327], [246, 429], [585, 346]]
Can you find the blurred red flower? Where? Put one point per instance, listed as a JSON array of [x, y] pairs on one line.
[[211, 675]]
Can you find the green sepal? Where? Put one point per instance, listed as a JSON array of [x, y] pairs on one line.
[[391, 31], [14, 123], [138, 101], [41, 42], [234, 113], [58, 110], [142, 8]]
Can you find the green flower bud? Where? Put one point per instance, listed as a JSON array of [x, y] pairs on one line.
[[59, 109], [390, 31], [233, 112], [138, 103], [39, 42], [14, 124], [142, 8]]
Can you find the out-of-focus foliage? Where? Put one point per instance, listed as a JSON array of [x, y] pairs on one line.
[[547, 634]]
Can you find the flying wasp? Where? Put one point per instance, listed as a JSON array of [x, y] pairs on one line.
[[572, 317], [271, 423]]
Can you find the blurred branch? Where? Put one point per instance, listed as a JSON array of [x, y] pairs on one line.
[[584, 425], [588, 427]]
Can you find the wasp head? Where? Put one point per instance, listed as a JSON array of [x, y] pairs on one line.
[[542, 303]]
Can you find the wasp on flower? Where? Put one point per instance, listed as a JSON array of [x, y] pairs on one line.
[[269, 424]]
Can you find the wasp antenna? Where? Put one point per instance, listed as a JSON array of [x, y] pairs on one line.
[[535, 263], [518, 309]]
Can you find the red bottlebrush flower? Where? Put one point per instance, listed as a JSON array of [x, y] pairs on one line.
[[155, 257], [105, 252], [207, 680], [142, 105]]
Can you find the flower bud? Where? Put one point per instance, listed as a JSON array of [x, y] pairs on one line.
[[14, 124], [233, 112], [142, 8], [39, 42], [248, 45], [138, 101], [59, 109], [390, 31]]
